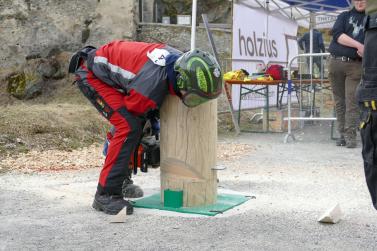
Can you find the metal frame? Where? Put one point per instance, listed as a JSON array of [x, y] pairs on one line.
[[289, 118], [299, 10], [262, 90], [213, 47]]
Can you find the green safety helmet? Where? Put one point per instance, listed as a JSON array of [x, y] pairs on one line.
[[199, 77]]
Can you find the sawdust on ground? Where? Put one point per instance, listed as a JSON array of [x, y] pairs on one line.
[[89, 157]]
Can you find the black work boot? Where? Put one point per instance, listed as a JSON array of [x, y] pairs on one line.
[[111, 204], [350, 137], [341, 141], [351, 143], [130, 190]]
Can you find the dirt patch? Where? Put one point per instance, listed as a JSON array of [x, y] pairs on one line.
[[231, 151], [89, 157], [39, 127], [54, 160]]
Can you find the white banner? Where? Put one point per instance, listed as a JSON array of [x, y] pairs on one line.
[[264, 39]]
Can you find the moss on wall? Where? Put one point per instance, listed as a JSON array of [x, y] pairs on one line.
[[17, 83]]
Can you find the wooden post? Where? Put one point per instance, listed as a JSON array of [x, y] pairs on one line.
[[188, 151]]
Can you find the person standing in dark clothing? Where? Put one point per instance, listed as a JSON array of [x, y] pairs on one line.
[[367, 97], [345, 69], [318, 46]]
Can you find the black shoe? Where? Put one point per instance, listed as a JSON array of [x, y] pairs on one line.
[[351, 144], [129, 190], [111, 204], [340, 142]]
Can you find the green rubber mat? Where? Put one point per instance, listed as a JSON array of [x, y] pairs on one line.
[[224, 203]]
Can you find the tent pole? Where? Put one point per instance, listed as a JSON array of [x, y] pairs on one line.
[[312, 93], [193, 24], [268, 13], [311, 27]]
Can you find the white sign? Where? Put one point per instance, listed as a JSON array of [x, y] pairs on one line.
[[325, 21], [158, 56], [184, 19], [259, 38]]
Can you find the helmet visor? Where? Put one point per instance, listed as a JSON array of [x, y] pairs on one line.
[[191, 99]]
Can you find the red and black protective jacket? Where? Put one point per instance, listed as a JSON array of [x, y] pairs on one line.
[[128, 66]]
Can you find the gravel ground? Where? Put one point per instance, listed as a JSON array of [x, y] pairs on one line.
[[293, 185]]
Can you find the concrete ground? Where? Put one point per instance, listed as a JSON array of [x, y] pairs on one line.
[[293, 185]]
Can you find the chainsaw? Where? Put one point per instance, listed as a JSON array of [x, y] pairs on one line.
[[147, 152]]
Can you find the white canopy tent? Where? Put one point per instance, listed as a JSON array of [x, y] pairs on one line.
[[302, 11], [307, 13]]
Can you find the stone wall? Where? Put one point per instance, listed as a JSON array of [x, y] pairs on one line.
[[218, 11], [34, 28], [39, 29], [179, 36]]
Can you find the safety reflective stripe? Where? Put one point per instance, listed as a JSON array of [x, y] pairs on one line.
[[366, 103], [114, 68], [373, 103], [364, 122]]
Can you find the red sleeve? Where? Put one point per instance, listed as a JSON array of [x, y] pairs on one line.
[[138, 104]]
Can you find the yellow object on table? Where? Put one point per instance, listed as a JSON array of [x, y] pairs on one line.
[[235, 75], [265, 78], [258, 78]]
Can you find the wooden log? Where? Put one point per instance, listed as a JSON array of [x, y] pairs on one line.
[[188, 151]]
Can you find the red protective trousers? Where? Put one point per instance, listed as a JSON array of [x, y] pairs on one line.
[[110, 103]]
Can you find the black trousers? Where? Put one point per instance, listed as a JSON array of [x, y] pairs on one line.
[[368, 132], [368, 102]]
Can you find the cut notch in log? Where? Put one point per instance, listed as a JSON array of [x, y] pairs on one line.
[[188, 151]]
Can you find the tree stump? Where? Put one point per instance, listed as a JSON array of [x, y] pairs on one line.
[[188, 151]]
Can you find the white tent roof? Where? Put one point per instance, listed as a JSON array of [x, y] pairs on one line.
[[299, 11]]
